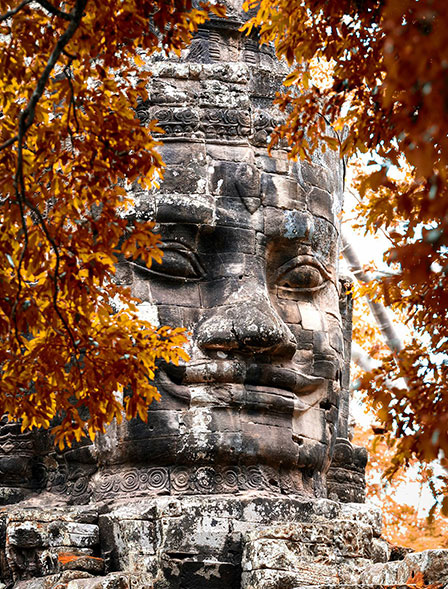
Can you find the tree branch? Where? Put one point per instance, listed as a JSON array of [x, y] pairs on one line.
[[14, 11], [76, 15], [385, 325], [9, 142], [25, 122]]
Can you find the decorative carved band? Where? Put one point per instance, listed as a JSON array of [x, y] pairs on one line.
[[192, 480], [210, 122]]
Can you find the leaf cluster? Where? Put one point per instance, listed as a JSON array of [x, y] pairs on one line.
[[74, 353]]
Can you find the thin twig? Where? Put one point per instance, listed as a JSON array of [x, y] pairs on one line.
[[9, 142], [30, 111], [386, 235], [55, 247], [72, 105], [19, 267], [14, 11]]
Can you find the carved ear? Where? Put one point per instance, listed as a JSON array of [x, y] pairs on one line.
[[247, 183]]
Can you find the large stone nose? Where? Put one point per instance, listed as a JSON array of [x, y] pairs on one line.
[[250, 326]]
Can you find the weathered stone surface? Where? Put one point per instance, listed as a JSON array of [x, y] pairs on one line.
[[346, 476], [209, 542], [111, 581], [79, 561], [250, 266], [368, 514], [270, 579], [52, 581], [433, 564]]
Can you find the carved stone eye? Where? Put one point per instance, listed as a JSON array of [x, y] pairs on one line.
[[179, 262], [302, 274]]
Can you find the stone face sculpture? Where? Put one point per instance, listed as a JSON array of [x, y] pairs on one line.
[[251, 269]]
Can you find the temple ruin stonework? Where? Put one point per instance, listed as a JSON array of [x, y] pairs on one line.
[[244, 476]]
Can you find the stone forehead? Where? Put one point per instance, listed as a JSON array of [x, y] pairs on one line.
[[236, 186]]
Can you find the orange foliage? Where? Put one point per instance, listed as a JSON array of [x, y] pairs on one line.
[[418, 580], [403, 524], [71, 76], [388, 97]]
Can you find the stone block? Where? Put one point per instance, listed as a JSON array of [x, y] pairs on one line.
[[363, 513], [381, 574], [73, 534], [206, 534], [56, 581], [433, 564], [226, 265], [327, 299], [184, 179], [111, 581], [228, 240], [274, 554], [289, 311], [181, 154], [123, 274], [278, 579], [289, 224], [324, 240], [140, 288], [27, 534], [79, 561], [167, 292], [316, 175], [181, 572], [312, 318], [128, 543], [280, 191], [214, 293], [83, 514], [236, 212], [221, 151], [321, 203], [178, 208], [380, 551], [273, 165]]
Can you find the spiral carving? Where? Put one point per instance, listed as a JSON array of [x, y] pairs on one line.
[[157, 479], [230, 478], [180, 480]]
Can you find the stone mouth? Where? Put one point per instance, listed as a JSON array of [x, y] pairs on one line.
[[253, 376]]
